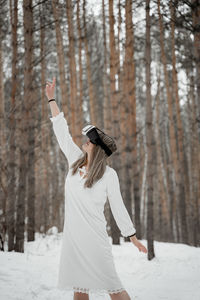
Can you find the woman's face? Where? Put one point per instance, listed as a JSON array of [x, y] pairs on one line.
[[88, 146]]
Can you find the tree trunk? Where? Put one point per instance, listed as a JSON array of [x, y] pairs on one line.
[[45, 209], [93, 117], [72, 71], [26, 127], [12, 128], [114, 100], [106, 98], [196, 30], [150, 142], [128, 125], [80, 97], [3, 152], [195, 166]]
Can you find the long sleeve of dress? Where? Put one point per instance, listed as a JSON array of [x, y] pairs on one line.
[[117, 205], [70, 149]]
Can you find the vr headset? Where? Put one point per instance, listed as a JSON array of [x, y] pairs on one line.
[[91, 132]]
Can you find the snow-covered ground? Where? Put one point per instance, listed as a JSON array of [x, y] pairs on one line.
[[174, 274]]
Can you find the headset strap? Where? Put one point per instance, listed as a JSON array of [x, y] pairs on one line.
[[101, 143]]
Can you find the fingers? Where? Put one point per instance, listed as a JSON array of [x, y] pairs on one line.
[[53, 83], [142, 248]]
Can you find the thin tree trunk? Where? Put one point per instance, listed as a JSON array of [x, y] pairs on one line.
[[114, 100], [30, 93], [10, 217], [196, 25], [195, 167], [3, 152], [93, 117], [44, 158], [26, 130], [106, 102], [129, 124], [72, 71], [149, 140], [80, 97], [106, 98], [31, 195], [121, 104]]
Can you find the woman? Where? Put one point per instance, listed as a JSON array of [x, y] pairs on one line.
[[86, 261]]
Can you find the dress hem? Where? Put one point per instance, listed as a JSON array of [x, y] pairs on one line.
[[89, 290]]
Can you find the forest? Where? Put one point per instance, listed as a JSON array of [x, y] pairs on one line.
[[131, 68]]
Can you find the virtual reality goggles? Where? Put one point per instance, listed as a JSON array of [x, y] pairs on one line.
[[92, 133]]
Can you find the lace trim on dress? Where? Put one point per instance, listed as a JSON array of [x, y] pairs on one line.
[[88, 290]]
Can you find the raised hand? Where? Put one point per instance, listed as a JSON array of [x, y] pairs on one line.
[[50, 87]]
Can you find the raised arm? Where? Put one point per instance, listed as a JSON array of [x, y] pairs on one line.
[[117, 205], [61, 129], [70, 149]]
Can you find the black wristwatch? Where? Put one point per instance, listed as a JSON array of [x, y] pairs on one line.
[[53, 99]]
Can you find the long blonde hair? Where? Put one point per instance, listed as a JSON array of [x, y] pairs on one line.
[[98, 161]]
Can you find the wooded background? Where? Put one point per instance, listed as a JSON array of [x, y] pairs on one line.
[[132, 68]]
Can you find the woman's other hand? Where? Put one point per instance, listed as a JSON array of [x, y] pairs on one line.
[[50, 87], [139, 245]]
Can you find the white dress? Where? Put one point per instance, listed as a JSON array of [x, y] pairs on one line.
[[86, 260]]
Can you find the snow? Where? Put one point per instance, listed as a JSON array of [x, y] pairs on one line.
[[173, 274]]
